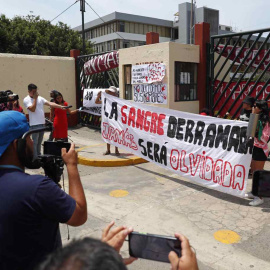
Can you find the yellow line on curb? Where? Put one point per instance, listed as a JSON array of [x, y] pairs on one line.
[[108, 162]]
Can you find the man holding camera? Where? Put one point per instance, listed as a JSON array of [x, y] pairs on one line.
[[32, 206], [34, 104]]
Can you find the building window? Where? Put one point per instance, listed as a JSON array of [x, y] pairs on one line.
[[122, 26], [108, 46], [127, 80], [136, 28], [185, 81], [126, 44], [127, 27], [141, 28], [131, 27]]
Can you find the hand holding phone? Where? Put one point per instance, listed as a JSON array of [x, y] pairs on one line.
[[116, 237], [153, 247], [188, 259]]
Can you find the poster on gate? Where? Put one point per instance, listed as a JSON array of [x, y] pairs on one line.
[[148, 73], [150, 93], [89, 101], [212, 152]]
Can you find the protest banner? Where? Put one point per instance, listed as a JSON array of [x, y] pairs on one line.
[[210, 151], [102, 63], [150, 93], [148, 73], [89, 98]]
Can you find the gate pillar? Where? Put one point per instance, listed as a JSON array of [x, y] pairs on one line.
[[73, 119], [202, 38]]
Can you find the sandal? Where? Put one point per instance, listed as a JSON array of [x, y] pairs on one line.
[[107, 153]]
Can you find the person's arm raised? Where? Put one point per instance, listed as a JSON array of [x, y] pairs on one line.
[[54, 105], [32, 108], [70, 158]]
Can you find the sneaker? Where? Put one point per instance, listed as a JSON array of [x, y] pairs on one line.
[[257, 201], [249, 195]]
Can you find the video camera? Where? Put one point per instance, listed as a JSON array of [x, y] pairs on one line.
[[7, 96], [51, 161]]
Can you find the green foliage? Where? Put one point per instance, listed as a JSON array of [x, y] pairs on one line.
[[32, 35]]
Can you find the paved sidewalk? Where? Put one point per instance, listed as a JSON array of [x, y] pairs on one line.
[[226, 232]]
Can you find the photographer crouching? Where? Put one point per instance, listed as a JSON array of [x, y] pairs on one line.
[[32, 206]]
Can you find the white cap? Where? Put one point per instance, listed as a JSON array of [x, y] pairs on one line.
[[113, 89]]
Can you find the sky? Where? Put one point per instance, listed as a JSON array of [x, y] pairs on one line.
[[242, 15]]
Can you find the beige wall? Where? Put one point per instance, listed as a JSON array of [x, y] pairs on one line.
[[167, 53], [17, 71]]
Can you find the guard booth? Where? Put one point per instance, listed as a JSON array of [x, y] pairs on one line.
[[176, 90], [238, 66]]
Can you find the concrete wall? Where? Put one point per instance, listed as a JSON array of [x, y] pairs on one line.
[[17, 71], [167, 53]]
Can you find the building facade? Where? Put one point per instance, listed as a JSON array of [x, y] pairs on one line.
[[120, 30]]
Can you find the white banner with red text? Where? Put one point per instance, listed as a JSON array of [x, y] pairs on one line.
[[209, 151], [148, 73]]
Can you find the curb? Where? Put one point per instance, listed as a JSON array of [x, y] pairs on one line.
[[109, 162]]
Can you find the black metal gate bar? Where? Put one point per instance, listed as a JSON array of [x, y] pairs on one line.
[[97, 80], [249, 80], [243, 75], [228, 58], [239, 67], [235, 59], [215, 42], [223, 50]]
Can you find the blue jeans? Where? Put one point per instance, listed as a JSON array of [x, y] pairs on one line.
[[37, 140]]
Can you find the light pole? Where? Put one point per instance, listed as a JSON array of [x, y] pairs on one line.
[[191, 24], [82, 9]]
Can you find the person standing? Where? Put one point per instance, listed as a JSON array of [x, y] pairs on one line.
[[34, 104], [52, 96], [247, 106], [32, 206], [111, 91], [60, 122], [260, 149]]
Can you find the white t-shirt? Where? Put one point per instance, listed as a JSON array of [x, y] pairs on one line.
[[37, 117]]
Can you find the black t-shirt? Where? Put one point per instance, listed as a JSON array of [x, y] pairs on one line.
[[31, 207]]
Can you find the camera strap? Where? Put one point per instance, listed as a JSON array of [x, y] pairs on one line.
[[11, 167]]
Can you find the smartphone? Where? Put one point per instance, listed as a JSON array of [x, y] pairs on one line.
[[153, 247], [54, 148], [261, 183]]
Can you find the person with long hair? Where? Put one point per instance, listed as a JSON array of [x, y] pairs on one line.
[[60, 122], [260, 149]]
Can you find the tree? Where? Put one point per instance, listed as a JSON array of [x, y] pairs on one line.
[[32, 35]]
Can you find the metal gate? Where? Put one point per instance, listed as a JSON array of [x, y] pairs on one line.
[[97, 80], [239, 66]]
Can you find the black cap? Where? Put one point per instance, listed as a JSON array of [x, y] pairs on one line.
[[249, 100]]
